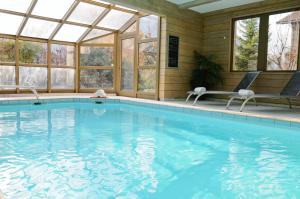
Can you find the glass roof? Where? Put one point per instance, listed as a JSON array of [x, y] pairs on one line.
[[75, 20]]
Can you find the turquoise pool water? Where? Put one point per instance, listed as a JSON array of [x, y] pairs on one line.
[[95, 151]]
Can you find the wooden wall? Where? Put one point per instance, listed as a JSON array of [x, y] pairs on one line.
[[217, 41], [183, 23]]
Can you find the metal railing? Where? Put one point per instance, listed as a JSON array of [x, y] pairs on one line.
[[33, 90]]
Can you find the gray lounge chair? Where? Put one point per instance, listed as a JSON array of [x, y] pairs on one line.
[[289, 92], [245, 83]]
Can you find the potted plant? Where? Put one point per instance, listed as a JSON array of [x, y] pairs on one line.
[[207, 74]]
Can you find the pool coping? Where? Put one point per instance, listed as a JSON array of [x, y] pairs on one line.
[[187, 108]]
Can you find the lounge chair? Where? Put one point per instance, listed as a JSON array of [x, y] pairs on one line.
[[290, 91], [245, 83]]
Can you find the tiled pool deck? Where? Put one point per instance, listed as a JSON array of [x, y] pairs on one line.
[[277, 115]]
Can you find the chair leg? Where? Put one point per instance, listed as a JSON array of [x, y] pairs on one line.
[[229, 102], [244, 103], [198, 96], [290, 103], [254, 100], [190, 95]]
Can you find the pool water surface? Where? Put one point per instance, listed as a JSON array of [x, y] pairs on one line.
[[95, 151]]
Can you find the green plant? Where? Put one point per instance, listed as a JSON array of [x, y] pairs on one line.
[[208, 73]]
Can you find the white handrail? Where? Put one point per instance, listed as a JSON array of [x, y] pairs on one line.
[[33, 90]]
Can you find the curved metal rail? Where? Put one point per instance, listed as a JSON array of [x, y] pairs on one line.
[[33, 90]]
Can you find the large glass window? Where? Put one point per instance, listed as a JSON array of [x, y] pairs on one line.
[[62, 55], [62, 78], [33, 76], [96, 56], [33, 52], [246, 38], [9, 24], [69, 33], [86, 13], [283, 41], [96, 78], [127, 67], [39, 28], [52, 8], [148, 27], [277, 50], [147, 80], [7, 75], [7, 50], [15, 5], [115, 19], [148, 54]]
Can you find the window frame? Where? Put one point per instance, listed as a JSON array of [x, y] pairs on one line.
[[262, 43]]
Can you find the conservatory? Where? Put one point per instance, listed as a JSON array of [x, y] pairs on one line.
[[78, 46]]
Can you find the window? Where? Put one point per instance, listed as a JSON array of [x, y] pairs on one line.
[[69, 33], [127, 66], [147, 80], [9, 24], [7, 75], [53, 8], [149, 27], [94, 78], [96, 56], [33, 52], [246, 38], [15, 5], [148, 54], [115, 19], [62, 55], [86, 13], [277, 50], [33, 76], [283, 41], [39, 28], [96, 33], [108, 39], [62, 78], [7, 50]]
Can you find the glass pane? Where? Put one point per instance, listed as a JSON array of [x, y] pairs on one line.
[[62, 55], [246, 37], [9, 24], [115, 19], [96, 56], [148, 54], [15, 5], [69, 33], [127, 70], [96, 33], [109, 39], [148, 27], [283, 41], [93, 78], [7, 50], [62, 78], [147, 80], [86, 13], [33, 76], [52, 8], [131, 28], [38, 28], [7, 75], [33, 52]]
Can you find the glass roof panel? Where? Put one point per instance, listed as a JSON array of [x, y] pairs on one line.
[[96, 33], [69, 33], [9, 24], [38, 28], [115, 19], [52, 8], [15, 5], [86, 13]]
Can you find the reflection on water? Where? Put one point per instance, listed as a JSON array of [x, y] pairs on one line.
[[112, 151]]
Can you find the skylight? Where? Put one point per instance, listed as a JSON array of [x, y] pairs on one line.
[[63, 20]]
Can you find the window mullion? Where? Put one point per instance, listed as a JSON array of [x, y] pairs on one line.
[[263, 43]]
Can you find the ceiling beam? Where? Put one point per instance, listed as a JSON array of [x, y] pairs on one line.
[[196, 3], [29, 11], [103, 14]]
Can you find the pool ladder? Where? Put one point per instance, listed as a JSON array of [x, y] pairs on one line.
[[33, 90]]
